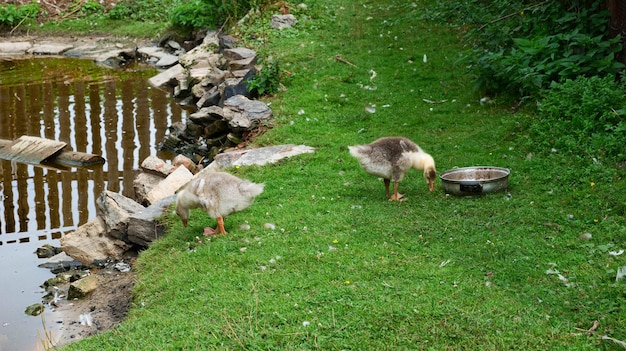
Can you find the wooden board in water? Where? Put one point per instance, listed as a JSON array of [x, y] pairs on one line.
[[28, 149]]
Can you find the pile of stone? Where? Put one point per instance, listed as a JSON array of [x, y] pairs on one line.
[[213, 81]]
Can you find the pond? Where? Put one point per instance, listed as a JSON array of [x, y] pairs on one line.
[[114, 113]]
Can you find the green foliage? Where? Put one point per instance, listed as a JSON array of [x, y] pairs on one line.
[[196, 14], [88, 8], [521, 47], [584, 115], [268, 79], [136, 18], [142, 10], [12, 15]]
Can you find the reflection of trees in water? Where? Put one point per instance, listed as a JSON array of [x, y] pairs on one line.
[[121, 119]]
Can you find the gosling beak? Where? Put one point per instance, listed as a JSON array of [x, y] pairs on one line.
[[431, 186], [184, 223]]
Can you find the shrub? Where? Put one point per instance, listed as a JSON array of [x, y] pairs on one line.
[[142, 10], [196, 14], [584, 115], [521, 48], [89, 8], [268, 79], [12, 15]]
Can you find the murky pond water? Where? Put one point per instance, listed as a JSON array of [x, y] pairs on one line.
[[113, 113]]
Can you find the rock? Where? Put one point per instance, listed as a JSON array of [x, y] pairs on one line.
[[203, 55], [169, 77], [198, 74], [169, 185], [116, 58], [61, 262], [89, 243], [241, 86], [198, 91], [179, 130], [56, 280], [227, 42], [167, 60], [34, 309], [245, 63], [243, 113], [260, 156], [156, 54], [142, 184], [156, 166], [216, 128], [151, 51], [115, 209], [143, 227], [207, 115], [238, 54], [214, 77], [174, 45], [211, 38], [15, 48], [82, 287], [182, 160], [47, 251], [49, 48], [210, 98], [283, 21]]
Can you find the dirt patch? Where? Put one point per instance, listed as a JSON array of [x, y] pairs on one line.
[[103, 309]]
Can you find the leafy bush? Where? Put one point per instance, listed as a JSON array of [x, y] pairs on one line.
[[89, 8], [585, 115], [12, 15], [521, 48], [142, 10], [268, 79], [196, 14]]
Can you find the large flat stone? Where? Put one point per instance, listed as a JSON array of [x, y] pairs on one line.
[[259, 157], [89, 243], [15, 48], [169, 185], [49, 49], [168, 76]]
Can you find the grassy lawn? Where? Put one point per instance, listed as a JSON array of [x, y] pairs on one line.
[[345, 269]]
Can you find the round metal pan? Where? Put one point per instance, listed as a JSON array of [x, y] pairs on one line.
[[473, 181]]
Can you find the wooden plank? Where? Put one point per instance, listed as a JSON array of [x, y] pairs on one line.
[[32, 150], [61, 159], [75, 159]]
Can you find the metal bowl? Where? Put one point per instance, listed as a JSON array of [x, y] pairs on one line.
[[472, 181]]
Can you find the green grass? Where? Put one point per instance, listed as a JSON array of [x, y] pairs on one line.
[[101, 26], [347, 269], [133, 18]]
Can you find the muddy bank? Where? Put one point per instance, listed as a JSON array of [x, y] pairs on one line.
[[102, 310]]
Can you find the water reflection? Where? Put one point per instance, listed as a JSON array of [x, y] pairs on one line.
[[115, 114], [93, 109]]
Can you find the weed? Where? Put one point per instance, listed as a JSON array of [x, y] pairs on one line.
[[87, 8], [196, 14], [47, 340], [142, 10], [269, 78], [521, 48], [12, 15], [584, 116]]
